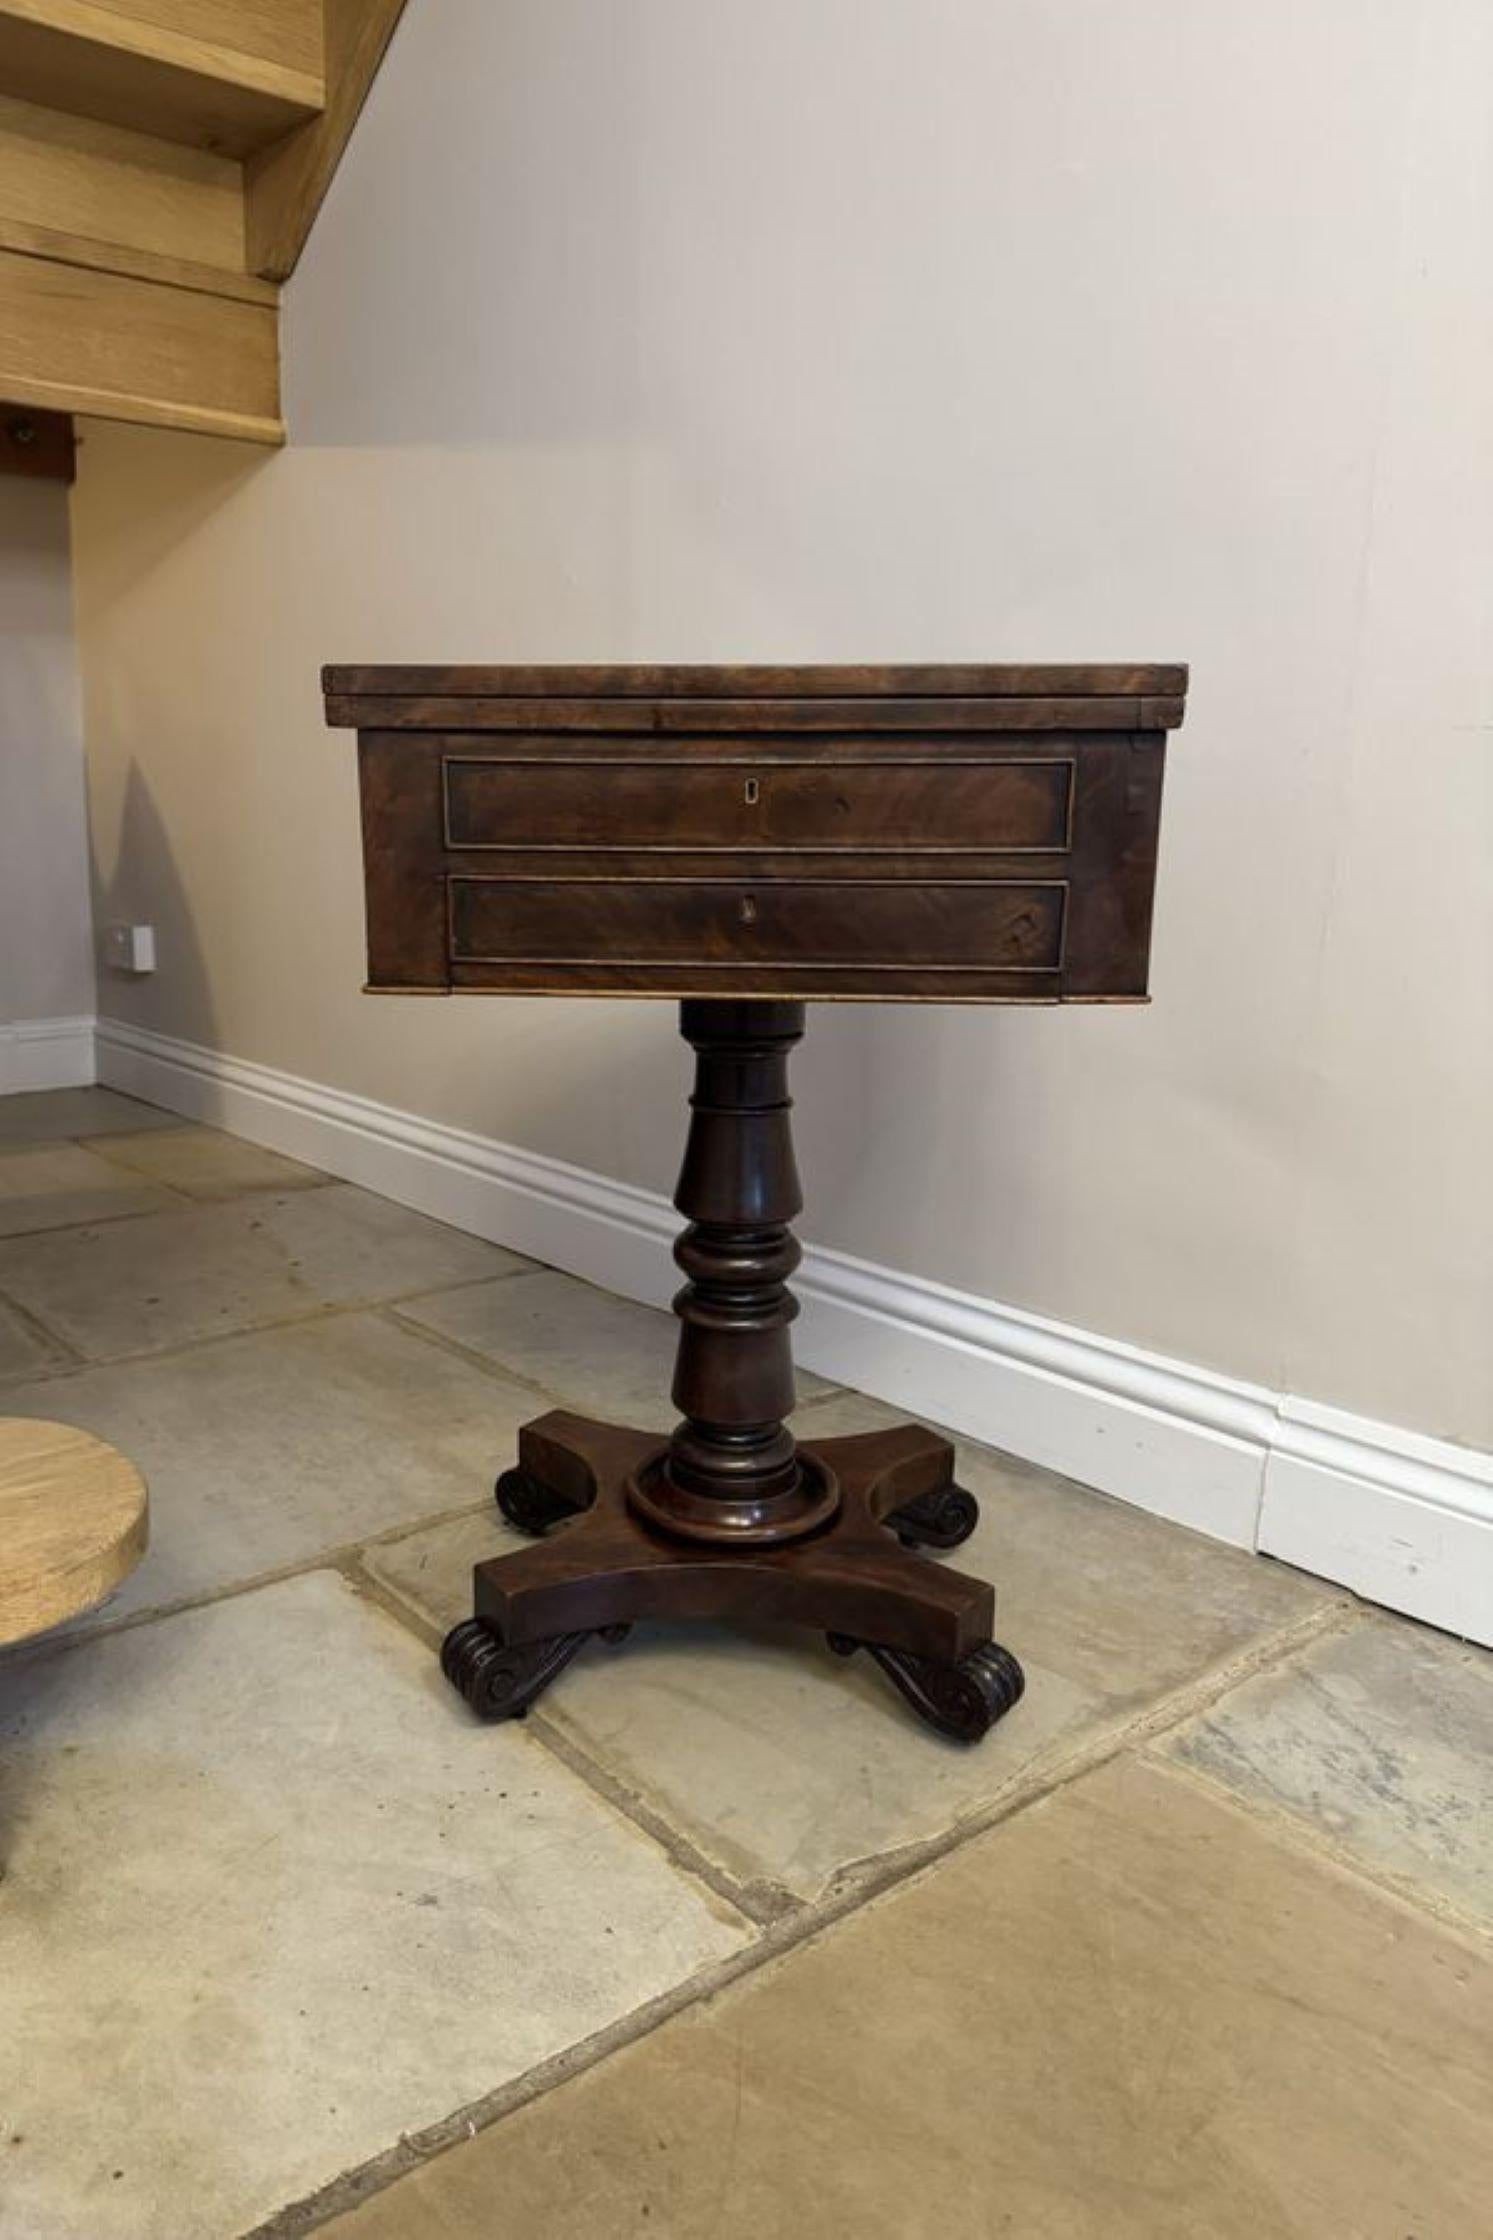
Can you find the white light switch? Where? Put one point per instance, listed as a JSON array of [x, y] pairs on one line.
[[130, 948]]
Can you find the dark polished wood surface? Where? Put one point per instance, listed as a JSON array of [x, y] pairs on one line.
[[672, 718], [745, 838], [725, 805], [918, 834], [728, 1517], [35, 443], [707, 681]]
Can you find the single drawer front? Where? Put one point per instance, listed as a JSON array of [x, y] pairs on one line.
[[973, 807], [1012, 925]]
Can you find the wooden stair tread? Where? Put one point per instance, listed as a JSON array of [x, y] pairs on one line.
[[161, 163], [92, 61], [75, 339], [75, 175], [73, 1523], [136, 264]]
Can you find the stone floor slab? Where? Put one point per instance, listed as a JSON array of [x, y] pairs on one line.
[[1128, 2014], [270, 1449], [785, 1765], [793, 1767], [1076, 1572], [271, 1901], [1383, 1739], [201, 1271], [49, 1185], [24, 1352], [49, 1115], [204, 1162], [611, 1357]]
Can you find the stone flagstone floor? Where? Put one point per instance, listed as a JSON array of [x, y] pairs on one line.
[[719, 1942]]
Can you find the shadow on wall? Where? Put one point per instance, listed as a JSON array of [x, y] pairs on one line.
[[143, 886], [46, 968]]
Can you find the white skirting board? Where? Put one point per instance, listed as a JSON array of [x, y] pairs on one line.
[[1402, 1519], [45, 1054]]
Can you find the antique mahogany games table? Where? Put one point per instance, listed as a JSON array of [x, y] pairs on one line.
[[747, 839]]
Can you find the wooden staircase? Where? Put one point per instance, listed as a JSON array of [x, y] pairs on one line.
[[161, 162]]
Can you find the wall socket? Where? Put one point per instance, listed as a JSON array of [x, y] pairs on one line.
[[130, 948]]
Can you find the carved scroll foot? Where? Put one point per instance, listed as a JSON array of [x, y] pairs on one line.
[[961, 1700], [942, 1519], [530, 1505], [499, 1682]]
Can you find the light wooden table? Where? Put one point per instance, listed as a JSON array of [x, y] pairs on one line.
[[74, 1521]]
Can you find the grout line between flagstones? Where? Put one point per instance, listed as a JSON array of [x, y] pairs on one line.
[[763, 1901], [331, 1311], [678, 1851], [1305, 1835], [102, 1219], [760, 1901], [469, 1356], [871, 1877], [32, 1323], [461, 1351], [45, 1646], [893, 1872], [311, 1178], [783, 1921]]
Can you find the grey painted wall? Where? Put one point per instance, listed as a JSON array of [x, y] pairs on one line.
[[46, 948]]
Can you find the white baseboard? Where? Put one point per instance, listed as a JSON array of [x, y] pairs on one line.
[[1402, 1519], [45, 1054], [1399, 1518]]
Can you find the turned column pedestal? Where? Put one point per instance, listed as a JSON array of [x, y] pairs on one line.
[[727, 1516], [732, 1476]]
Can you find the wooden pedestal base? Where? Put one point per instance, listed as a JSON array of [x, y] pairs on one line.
[[727, 1517], [600, 1564]]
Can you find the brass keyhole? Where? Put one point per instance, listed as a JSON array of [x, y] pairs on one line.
[[748, 910], [753, 792]]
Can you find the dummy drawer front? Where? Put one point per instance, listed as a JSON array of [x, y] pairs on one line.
[[730, 923]]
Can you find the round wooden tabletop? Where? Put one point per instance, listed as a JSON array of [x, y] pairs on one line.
[[73, 1523]]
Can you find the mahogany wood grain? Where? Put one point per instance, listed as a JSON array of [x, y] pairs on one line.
[[688, 680], [40, 444], [744, 839], [431, 712], [744, 925], [613, 1568], [715, 803], [667, 835]]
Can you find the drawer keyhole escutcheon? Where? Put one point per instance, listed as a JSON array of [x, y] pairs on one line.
[[753, 792], [748, 909]]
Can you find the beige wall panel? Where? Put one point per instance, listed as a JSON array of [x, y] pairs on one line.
[[109, 184], [764, 332]]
